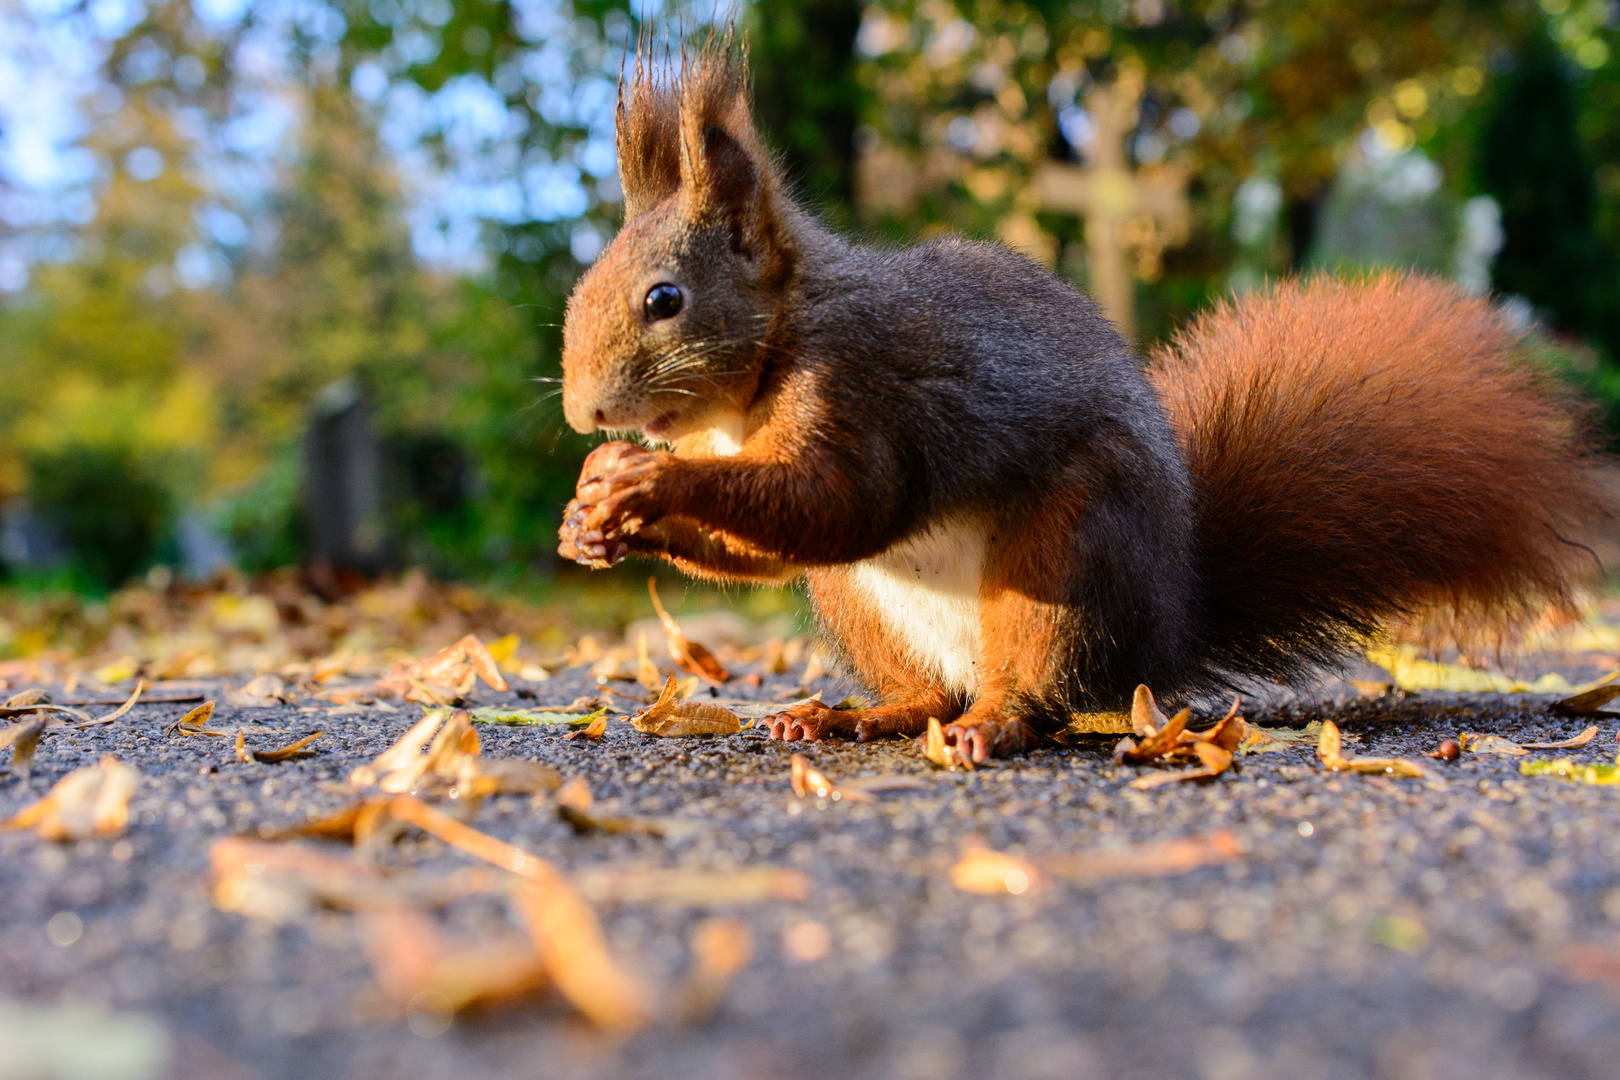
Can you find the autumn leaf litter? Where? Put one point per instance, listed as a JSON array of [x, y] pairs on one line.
[[438, 774]]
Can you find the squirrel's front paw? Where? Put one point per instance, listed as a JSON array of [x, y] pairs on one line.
[[619, 492], [587, 547]]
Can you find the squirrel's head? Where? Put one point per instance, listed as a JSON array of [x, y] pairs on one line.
[[663, 332]]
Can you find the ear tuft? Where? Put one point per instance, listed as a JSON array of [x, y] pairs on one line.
[[726, 174], [693, 135], [648, 131]]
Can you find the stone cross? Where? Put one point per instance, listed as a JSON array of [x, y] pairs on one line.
[[1139, 211]]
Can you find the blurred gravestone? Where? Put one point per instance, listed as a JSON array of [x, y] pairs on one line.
[[1387, 211], [345, 511], [1393, 210]]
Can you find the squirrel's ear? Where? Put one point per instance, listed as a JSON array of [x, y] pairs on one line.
[[725, 174], [648, 139]]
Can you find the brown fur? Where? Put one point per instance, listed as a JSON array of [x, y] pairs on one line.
[[907, 694], [1296, 473], [1367, 452]]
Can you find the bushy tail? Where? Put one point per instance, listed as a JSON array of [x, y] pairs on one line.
[[1370, 453]]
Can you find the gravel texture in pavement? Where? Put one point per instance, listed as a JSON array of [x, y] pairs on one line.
[[1461, 927]]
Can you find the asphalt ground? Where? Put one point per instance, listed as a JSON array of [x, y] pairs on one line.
[[1461, 927]]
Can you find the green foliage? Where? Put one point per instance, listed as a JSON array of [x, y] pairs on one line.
[[1532, 159], [118, 382], [107, 504]]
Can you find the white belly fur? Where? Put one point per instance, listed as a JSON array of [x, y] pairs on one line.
[[927, 590]]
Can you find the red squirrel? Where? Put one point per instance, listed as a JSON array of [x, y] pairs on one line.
[[1004, 515]]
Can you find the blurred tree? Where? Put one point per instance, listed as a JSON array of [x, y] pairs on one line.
[[101, 419], [807, 96], [1532, 159], [968, 99]]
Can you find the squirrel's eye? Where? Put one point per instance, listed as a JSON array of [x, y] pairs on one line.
[[663, 302]]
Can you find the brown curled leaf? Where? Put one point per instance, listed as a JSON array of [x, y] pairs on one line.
[[809, 782], [286, 753], [566, 933], [938, 752], [1475, 743], [575, 803], [671, 717], [593, 731], [1162, 741], [195, 722], [1574, 743], [1329, 748], [1146, 717], [353, 824], [140, 686], [447, 674], [993, 873], [417, 967], [1162, 859], [720, 949], [1588, 703], [87, 802], [23, 738], [1213, 759], [691, 656]]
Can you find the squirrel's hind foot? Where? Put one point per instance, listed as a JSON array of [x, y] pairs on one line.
[[982, 736], [813, 720], [810, 721]]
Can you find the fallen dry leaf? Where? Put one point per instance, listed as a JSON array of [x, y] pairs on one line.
[[42, 707], [1214, 761], [1147, 860], [417, 968], [562, 925], [1330, 749], [1146, 716], [938, 752], [569, 938], [1573, 743], [120, 670], [1167, 739], [263, 691], [1588, 703], [720, 949], [195, 722], [575, 805], [23, 738], [354, 823], [808, 782], [992, 873], [140, 685], [88, 802], [285, 753], [450, 760], [1489, 744], [646, 671], [24, 698], [488, 714], [445, 677], [480, 845], [691, 656], [284, 882], [671, 717], [593, 731]]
